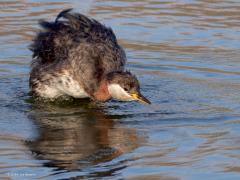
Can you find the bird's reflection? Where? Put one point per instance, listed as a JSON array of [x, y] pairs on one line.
[[71, 137]]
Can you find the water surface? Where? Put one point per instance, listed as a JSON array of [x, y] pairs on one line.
[[186, 56]]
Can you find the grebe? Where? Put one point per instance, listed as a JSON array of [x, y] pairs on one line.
[[80, 57]]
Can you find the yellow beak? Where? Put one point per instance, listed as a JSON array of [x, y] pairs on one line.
[[139, 97]]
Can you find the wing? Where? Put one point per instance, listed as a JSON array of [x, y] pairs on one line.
[[68, 31]]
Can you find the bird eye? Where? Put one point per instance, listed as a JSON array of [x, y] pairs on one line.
[[125, 89]]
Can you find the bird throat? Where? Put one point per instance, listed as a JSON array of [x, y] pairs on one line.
[[102, 93]]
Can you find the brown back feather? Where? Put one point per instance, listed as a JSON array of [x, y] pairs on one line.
[[56, 38]]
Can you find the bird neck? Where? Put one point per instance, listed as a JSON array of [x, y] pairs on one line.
[[102, 94]]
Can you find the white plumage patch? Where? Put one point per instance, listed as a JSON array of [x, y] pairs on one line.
[[117, 92], [62, 85], [68, 86]]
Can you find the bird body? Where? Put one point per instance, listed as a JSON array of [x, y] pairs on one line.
[[79, 57]]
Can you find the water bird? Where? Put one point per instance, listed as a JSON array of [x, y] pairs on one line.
[[79, 57]]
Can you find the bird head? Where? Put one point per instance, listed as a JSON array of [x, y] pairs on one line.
[[124, 86]]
